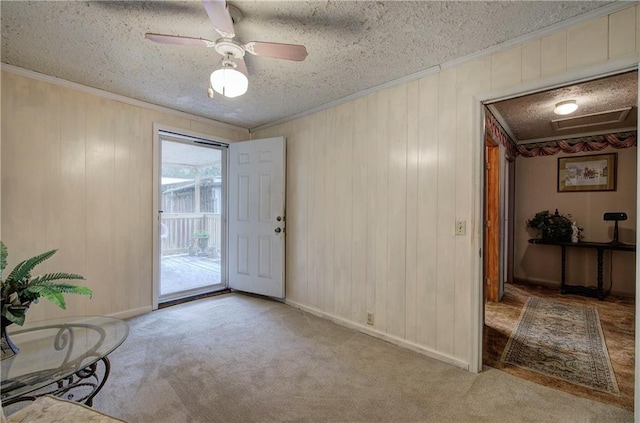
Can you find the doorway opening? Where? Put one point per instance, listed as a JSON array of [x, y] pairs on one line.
[[192, 217], [528, 184]]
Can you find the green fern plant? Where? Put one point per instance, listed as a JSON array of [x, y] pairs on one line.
[[19, 289]]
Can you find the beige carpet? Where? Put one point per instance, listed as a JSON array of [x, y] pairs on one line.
[[237, 358]]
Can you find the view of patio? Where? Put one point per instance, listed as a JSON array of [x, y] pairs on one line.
[[190, 251], [190, 229], [183, 272]]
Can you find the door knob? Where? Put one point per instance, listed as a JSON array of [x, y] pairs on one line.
[[278, 230]]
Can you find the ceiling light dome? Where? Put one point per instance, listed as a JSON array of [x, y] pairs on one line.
[[565, 107], [229, 81]]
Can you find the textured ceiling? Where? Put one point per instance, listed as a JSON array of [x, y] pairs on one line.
[[529, 118], [352, 45]]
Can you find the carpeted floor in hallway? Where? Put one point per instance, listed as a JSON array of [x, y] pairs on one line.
[[617, 317]]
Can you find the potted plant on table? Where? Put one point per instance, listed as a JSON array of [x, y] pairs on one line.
[[19, 290], [555, 227]]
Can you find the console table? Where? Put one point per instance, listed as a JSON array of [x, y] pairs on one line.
[[63, 357], [598, 291]]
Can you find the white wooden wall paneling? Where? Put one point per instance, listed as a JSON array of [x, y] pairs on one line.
[[73, 192], [397, 211], [343, 200], [318, 207], [371, 156], [622, 29], [295, 241], [123, 251], [101, 124], [427, 243], [411, 265], [45, 179], [472, 77], [330, 211], [553, 50], [305, 131], [382, 199], [531, 61], [506, 68], [141, 211], [48, 161], [27, 188], [445, 289], [587, 42], [87, 192], [12, 180], [358, 228]]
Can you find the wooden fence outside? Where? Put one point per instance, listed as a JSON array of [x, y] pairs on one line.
[[178, 228]]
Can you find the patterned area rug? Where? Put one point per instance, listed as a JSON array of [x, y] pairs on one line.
[[564, 341]]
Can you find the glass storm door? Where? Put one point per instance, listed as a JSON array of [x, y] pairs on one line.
[[192, 213]]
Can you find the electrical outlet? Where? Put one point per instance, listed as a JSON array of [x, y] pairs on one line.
[[370, 318], [461, 227]]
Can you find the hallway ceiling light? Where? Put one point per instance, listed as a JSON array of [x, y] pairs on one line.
[[565, 107]]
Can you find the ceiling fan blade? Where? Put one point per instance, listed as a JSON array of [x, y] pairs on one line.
[[241, 66], [178, 40], [220, 18], [277, 50]]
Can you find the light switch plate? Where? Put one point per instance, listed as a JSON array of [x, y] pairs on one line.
[[461, 227]]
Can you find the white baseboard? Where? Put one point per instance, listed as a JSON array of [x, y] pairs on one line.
[[127, 314], [377, 334]]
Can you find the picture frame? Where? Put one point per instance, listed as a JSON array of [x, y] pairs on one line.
[[597, 172]]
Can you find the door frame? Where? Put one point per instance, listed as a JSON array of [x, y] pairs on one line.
[[155, 203], [492, 221], [624, 64]]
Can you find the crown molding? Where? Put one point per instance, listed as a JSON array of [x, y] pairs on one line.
[[602, 11], [4, 67]]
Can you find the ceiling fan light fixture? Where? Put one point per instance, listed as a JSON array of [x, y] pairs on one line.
[[565, 107], [229, 81]]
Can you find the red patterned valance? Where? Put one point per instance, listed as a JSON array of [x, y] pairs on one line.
[[578, 145], [499, 134], [570, 146]]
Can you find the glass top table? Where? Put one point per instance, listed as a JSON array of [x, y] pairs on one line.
[[64, 357]]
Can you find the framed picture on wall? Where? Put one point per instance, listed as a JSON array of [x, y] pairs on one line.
[[587, 173]]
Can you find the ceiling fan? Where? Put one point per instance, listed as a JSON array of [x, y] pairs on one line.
[[230, 79]]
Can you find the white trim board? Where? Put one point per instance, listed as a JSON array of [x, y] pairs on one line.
[[116, 97]]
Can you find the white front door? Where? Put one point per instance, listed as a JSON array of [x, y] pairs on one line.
[[256, 216]]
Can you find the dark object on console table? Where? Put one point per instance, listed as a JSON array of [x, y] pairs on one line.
[[598, 291], [615, 216]]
